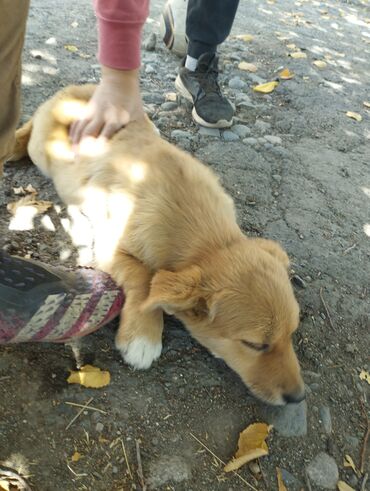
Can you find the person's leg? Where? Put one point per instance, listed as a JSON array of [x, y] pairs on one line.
[[13, 17], [208, 24]]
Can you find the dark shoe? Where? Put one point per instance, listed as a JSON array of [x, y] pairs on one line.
[[211, 108], [42, 303]]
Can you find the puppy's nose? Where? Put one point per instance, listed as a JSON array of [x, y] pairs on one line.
[[295, 397]]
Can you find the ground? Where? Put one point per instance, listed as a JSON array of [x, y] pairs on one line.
[[298, 169]]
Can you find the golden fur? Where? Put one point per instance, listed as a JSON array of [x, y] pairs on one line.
[[167, 233]]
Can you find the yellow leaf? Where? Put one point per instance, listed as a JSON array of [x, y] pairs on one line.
[[248, 67], [343, 486], [90, 376], [355, 116], [366, 104], [251, 445], [298, 54], [4, 486], [29, 201], [71, 48], [281, 485], [76, 457], [286, 74], [247, 38], [320, 64], [291, 46], [348, 462], [266, 88], [364, 375]]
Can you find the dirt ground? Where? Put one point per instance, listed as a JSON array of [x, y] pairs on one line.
[[298, 169]]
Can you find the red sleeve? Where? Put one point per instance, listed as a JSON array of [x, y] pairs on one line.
[[120, 23]]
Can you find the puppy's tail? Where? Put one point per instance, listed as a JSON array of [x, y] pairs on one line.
[[22, 137]]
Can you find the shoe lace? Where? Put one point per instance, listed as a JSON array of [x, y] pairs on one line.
[[208, 80]]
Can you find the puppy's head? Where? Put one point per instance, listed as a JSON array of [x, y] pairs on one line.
[[239, 304]]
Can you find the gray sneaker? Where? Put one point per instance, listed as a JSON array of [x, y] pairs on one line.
[[211, 108]]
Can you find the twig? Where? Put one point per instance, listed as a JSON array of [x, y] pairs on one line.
[[126, 459], [262, 473], [79, 413], [326, 309], [364, 481], [12, 474], [349, 249], [140, 467], [222, 462], [308, 483], [366, 437], [75, 473], [91, 408], [6, 377]]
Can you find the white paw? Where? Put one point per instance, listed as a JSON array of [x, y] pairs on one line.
[[140, 353]]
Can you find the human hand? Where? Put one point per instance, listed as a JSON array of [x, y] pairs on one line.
[[115, 102]]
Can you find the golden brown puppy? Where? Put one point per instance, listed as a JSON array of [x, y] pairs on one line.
[[166, 231]]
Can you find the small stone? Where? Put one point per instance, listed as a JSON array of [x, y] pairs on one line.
[[250, 141], [99, 427], [276, 177], [350, 348], [291, 482], [237, 83], [325, 417], [150, 42], [261, 140], [323, 471], [168, 106], [168, 468], [153, 97], [114, 470], [241, 130], [255, 78], [297, 280], [204, 131], [230, 136], [289, 420], [179, 134], [275, 140], [262, 126], [315, 387], [150, 69], [353, 480]]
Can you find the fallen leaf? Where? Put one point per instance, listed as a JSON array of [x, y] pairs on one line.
[[291, 46], [90, 376], [30, 201], [366, 104], [266, 88], [364, 375], [348, 462], [248, 67], [355, 116], [298, 54], [76, 457], [71, 48], [18, 191], [342, 486], [4, 486], [251, 445], [286, 74], [281, 485], [320, 64], [247, 38], [30, 189]]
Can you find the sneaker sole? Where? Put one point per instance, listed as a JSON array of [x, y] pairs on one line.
[[222, 123]]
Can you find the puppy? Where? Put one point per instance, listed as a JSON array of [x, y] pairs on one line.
[[166, 231]]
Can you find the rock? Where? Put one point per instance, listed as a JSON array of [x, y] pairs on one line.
[[350, 348], [323, 471], [325, 418], [180, 134], [150, 42], [275, 140], [204, 131], [289, 420], [153, 97], [150, 69], [168, 106], [99, 427], [297, 280], [241, 130], [168, 468], [262, 126], [291, 482], [261, 140], [250, 141], [237, 83], [230, 136]]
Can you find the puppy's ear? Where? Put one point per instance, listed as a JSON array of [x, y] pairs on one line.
[[174, 291], [275, 249]]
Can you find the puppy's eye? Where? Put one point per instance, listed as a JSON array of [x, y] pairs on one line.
[[256, 346]]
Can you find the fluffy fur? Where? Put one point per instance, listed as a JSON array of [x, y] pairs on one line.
[[166, 231]]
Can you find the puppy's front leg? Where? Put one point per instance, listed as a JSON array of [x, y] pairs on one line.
[[139, 337]]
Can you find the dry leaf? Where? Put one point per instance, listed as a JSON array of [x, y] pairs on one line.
[[30, 189], [90, 376], [76, 457], [355, 116], [281, 485], [366, 104], [364, 375], [266, 88], [320, 64], [247, 38], [286, 74], [4, 486], [251, 445], [248, 67], [30, 201], [343, 486], [348, 462], [71, 48], [18, 191], [298, 54]]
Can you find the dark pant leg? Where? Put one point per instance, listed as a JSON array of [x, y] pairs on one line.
[[208, 23]]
